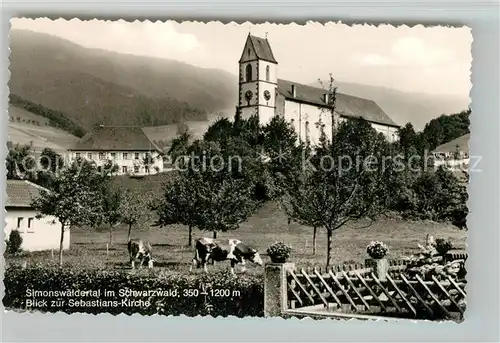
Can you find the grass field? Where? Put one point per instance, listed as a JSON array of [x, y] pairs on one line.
[[21, 130], [88, 247]]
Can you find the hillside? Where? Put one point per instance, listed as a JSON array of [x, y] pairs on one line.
[[25, 127], [403, 107], [97, 87]]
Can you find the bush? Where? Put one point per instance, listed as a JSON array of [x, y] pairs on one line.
[[433, 195], [14, 243], [443, 246], [242, 296], [377, 250], [279, 252]]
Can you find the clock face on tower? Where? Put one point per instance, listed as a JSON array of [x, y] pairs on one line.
[[248, 95], [267, 95]]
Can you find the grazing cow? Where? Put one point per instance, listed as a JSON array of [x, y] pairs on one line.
[[137, 249], [221, 250]]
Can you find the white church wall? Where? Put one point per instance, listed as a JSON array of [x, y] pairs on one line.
[[307, 120]]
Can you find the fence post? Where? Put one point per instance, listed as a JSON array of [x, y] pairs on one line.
[[275, 288], [380, 267]]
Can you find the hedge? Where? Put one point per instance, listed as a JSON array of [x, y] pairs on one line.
[[240, 296]]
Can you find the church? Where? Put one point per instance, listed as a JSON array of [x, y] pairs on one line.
[[261, 92]]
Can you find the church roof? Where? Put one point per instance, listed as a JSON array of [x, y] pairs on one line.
[[115, 138], [346, 105], [262, 48]]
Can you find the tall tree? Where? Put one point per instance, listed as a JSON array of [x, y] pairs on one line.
[[111, 208], [408, 140], [219, 131], [73, 200], [343, 179], [280, 148], [179, 204], [21, 163], [330, 191], [51, 161], [134, 208], [225, 205], [223, 191], [179, 147], [51, 164]]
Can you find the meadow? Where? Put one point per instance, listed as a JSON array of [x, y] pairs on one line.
[[88, 248], [21, 130]]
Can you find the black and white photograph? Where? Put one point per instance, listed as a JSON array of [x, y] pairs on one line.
[[237, 169]]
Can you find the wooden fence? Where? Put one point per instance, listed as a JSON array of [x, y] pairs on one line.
[[374, 289]]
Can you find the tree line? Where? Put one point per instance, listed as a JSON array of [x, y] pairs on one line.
[[237, 166], [142, 112], [56, 118]]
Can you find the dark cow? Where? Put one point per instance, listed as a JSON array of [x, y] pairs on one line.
[[137, 249], [221, 250]]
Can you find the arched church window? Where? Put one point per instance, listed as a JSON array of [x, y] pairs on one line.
[[267, 73], [248, 72]]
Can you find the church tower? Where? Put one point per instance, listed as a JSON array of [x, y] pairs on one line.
[[258, 80]]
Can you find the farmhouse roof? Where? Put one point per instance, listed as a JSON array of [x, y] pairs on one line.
[[262, 48], [462, 143], [346, 105], [20, 193], [108, 138]]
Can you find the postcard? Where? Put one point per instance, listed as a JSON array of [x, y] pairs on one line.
[[202, 168]]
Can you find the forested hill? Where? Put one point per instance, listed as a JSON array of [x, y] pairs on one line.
[[95, 87], [446, 128], [438, 131], [55, 118]]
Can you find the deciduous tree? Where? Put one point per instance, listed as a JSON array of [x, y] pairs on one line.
[[179, 204], [21, 163], [219, 186], [74, 199], [112, 197], [134, 208], [343, 180]]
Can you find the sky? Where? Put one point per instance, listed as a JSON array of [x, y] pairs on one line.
[[418, 59]]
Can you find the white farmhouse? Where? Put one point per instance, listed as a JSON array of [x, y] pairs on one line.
[[262, 93], [125, 146], [37, 234]]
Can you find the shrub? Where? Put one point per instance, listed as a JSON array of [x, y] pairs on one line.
[[14, 243], [279, 252], [377, 250], [242, 296], [443, 246], [434, 195]]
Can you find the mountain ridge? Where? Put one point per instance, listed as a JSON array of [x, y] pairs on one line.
[[404, 107], [98, 86]]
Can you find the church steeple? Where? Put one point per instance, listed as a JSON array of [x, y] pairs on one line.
[[257, 79]]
